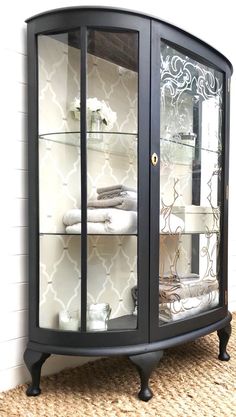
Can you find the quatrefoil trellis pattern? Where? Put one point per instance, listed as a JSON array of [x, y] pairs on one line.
[[112, 272], [112, 260]]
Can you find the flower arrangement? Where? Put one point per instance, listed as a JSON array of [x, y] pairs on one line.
[[108, 117]]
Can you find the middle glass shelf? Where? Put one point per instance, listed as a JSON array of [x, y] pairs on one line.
[[119, 143], [118, 140]]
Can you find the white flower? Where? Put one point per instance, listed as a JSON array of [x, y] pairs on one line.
[[93, 104], [75, 105], [108, 116]]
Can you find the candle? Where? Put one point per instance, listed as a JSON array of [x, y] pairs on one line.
[[68, 320]]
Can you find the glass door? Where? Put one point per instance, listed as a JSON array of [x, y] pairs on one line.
[[191, 97], [94, 182]]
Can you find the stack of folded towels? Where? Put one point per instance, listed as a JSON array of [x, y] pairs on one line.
[[186, 295], [113, 211], [183, 296], [118, 196]]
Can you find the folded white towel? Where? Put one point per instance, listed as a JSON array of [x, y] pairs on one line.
[[102, 221], [73, 216], [175, 291], [186, 307], [92, 228], [132, 194], [116, 217], [115, 188], [123, 203], [117, 193]]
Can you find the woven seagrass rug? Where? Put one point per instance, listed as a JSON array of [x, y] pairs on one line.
[[189, 381]]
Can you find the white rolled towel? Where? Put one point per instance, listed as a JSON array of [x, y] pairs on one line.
[[115, 218], [73, 216], [108, 220]]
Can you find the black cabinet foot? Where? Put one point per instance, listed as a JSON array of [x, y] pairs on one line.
[[224, 335], [145, 363], [33, 391], [34, 361]]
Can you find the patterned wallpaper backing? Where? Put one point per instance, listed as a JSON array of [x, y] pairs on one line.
[[112, 260]]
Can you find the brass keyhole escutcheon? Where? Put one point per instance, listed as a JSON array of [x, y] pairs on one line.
[[154, 159]]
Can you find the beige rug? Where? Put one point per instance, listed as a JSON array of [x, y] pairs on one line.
[[189, 381]]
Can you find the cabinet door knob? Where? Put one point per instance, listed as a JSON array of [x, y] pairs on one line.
[[154, 159]]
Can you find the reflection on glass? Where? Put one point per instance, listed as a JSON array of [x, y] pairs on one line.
[[112, 132], [59, 181], [190, 176]]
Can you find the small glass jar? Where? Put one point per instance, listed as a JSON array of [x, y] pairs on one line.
[[97, 316], [69, 320]]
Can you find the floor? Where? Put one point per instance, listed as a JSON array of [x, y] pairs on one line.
[[189, 381]]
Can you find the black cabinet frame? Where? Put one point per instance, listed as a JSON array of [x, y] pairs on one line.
[[148, 336]]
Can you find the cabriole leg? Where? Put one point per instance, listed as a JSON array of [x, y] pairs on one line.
[[145, 363], [34, 361], [224, 335]]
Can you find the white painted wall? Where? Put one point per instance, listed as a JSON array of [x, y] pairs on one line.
[[210, 20]]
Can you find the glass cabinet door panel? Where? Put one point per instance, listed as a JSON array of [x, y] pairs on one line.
[[112, 186], [190, 185], [59, 180]]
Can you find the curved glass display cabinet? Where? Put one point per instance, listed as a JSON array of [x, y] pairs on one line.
[[128, 188]]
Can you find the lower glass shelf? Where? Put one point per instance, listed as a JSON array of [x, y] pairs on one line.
[[88, 234], [189, 232], [127, 322]]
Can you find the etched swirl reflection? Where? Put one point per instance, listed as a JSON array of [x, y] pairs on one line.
[[190, 183]]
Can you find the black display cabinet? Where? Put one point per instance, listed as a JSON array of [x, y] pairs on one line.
[[128, 188]]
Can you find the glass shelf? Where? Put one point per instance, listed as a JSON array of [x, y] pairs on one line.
[[188, 145], [189, 232], [109, 139], [200, 232], [127, 322], [117, 143], [73, 138], [88, 234]]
